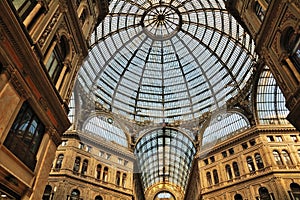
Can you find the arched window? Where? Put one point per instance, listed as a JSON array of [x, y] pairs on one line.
[[118, 178], [228, 172], [264, 194], [98, 197], [295, 189], [286, 157], [98, 171], [250, 164], [124, 177], [55, 61], [216, 176], [84, 167], [59, 161], [238, 197], [83, 16], [47, 192], [236, 169], [75, 194], [105, 174], [259, 161], [76, 164], [277, 158], [208, 178], [259, 11], [291, 43]]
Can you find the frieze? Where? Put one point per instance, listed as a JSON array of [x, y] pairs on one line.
[[43, 103], [49, 29], [14, 80]]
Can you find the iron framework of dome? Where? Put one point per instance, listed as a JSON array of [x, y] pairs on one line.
[[164, 61]]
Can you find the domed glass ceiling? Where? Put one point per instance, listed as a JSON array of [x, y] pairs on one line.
[[166, 60]]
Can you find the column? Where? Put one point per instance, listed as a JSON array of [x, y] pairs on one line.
[[32, 14]]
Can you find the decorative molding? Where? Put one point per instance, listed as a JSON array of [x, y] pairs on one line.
[[43, 103], [15, 81], [49, 29], [54, 135]]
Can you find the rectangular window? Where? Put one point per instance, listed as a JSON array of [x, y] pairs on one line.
[[212, 159], [245, 145], [81, 145], [108, 156], [25, 136], [88, 148], [252, 142], [294, 138], [270, 138], [278, 139], [24, 7], [205, 161], [64, 143], [231, 151], [224, 154], [101, 153], [120, 160]]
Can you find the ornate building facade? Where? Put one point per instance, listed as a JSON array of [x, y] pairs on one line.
[[155, 100]]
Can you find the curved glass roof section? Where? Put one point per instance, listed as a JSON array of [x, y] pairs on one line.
[[223, 126], [165, 156], [106, 129], [166, 60], [270, 101]]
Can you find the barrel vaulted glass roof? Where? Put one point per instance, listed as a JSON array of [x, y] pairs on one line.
[[166, 60]]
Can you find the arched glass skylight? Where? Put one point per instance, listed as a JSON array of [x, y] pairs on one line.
[[166, 60], [71, 114], [165, 156], [105, 128], [270, 100], [223, 126]]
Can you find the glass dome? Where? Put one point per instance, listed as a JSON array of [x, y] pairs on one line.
[[166, 60]]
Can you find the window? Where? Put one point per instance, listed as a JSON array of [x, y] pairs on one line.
[[47, 193], [259, 161], [108, 156], [236, 169], [125, 162], [88, 148], [295, 190], [212, 159], [294, 138], [118, 178], [84, 167], [54, 63], [224, 154], [228, 172], [81, 145], [259, 11], [75, 194], [252, 142], [25, 136], [120, 161], [231, 151], [286, 157], [59, 161], [291, 42], [83, 16], [250, 163], [264, 194], [98, 198], [238, 197], [24, 7], [76, 164], [299, 152], [278, 138], [64, 143], [101, 153], [98, 171], [245, 145], [105, 174], [277, 157], [206, 160], [216, 176], [124, 178], [270, 138], [208, 178]]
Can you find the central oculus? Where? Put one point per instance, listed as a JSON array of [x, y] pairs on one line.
[[161, 22]]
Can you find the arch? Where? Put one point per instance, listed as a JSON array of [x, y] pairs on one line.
[[59, 161], [84, 167], [75, 194], [164, 195], [224, 125], [236, 169], [98, 197], [228, 172], [105, 174], [208, 178], [270, 102], [295, 190], [105, 128], [286, 157], [264, 194], [250, 164], [98, 171], [76, 164], [259, 161], [118, 178], [277, 157], [47, 192], [124, 179], [238, 197], [216, 176]]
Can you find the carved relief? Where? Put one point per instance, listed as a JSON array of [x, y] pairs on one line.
[[49, 29], [43, 103], [16, 83]]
